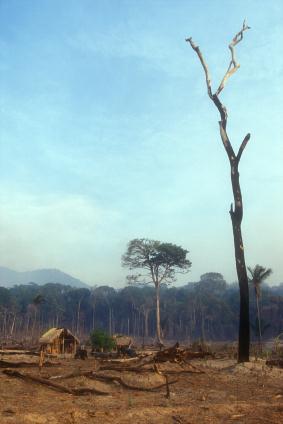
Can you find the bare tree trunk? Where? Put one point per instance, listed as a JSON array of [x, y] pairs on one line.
[[27, 326], [146, 314], [259, 323], [110, 322], [237, 212], [13, 325], [78, 316], [93, 318], [4, 324], [113, 322], [158, 330], [202, 326]]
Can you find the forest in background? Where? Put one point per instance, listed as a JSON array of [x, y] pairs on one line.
[[205, 310]]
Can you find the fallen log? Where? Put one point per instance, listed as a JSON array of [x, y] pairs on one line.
[[176, 354], [121, 361], [72, 374], [141, 370], [54, 386], [126, 385], [110, 378], [18, 352], [8, 364], [126, 367]]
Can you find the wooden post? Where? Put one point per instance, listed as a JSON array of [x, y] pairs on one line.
[[41, 358]]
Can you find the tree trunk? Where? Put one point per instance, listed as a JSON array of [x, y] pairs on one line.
[[158, 330], [237, 213], [146, 314], [109, 322], [13, 325], [259, 323], [236, 217], [93, 318], [78, 316]]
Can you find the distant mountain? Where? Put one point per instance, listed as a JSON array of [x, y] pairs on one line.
[[9, 278]]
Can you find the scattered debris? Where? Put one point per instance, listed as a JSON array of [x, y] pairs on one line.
[[275, 362]]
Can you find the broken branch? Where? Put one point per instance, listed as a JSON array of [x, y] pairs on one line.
[[233, 66], [242, 147], [204, 65]]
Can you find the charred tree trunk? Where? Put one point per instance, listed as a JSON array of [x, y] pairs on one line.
[[236, 213], [259, 321]]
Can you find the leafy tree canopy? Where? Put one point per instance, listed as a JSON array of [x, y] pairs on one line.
[[213, 282], [161, 260], [258, 274]]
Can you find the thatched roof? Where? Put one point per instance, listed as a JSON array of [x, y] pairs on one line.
[[54, 333], [122, 340]]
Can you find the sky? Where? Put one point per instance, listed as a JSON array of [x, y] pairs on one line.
[[107, 133]]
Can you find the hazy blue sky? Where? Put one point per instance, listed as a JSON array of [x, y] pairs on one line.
[[107, 133]]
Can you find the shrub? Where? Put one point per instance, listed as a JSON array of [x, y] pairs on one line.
[[101, 341]]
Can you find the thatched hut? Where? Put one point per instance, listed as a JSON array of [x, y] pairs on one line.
[[122, 342], [58, 341]]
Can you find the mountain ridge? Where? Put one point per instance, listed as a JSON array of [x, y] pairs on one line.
[[10, 277]]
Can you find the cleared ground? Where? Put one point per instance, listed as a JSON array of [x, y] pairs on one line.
[[224, 393]]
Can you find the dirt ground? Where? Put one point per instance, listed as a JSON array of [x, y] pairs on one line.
[[225, 392]]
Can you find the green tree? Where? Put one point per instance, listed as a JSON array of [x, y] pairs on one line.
[[213, 282], [161, 261], [258, 274]]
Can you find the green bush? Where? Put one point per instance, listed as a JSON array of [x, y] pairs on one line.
[[101, 341]]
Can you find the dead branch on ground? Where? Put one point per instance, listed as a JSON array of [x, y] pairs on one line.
[[129, 386], [109, 378], [156, 369], [8, 364], [54, 386]]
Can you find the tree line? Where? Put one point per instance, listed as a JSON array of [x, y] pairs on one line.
[[205, 310]]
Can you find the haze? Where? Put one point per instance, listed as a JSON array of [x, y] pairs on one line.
[[107, 133]]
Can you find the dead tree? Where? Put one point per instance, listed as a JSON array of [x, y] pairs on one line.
[[236, 212]]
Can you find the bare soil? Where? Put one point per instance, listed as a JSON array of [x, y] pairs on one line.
[[226, 392]]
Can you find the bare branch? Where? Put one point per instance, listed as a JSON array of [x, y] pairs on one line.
[[233, 66], [242, 147], [204, 65]]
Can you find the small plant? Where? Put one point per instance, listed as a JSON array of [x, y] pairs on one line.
[[102, 341]]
